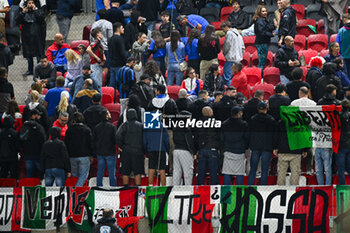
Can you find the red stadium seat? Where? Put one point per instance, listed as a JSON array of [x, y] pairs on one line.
[[201, 84], [225, 12], [311, 180], [21, 108], [221, 59], [308, 55], [117, 96], [324, 52], [8, 182], [222, 41], [267, 88], [300, 10], [216, 25], [114, 109], [253, 75], [299, 42], [303, 27], [249, 42], [173, 91], [271, 75], [333, 38], [304, 68], [255, 59], [320, 27], [107, 95], [71, 181], [317, 42], [74, 44], [29, 182], [246, 59], [104, 78], [86, 32], [59, 73]]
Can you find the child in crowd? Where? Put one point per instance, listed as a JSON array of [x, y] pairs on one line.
[[85, 57], [165, 29]]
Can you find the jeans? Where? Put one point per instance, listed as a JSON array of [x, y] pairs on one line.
[[228, 179], [343, 164], [262, 54], [284, 79], [213, 4], [63, 25], [323, 163], [98, 72], [161, 63], [80, 168], [208, 157], [228, 72], [31, 64], [31, 164], [265, 163], [57, 174], [113, 76], [173, 69], [111, 162]]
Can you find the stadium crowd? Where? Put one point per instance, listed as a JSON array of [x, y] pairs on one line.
[[64, 131]]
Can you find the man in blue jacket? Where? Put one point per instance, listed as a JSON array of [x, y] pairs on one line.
[[193, 21], [288, 23]]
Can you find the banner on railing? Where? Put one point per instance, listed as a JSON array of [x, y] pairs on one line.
[[179, 208]]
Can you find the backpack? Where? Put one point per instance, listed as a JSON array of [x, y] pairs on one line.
[[184, 7]]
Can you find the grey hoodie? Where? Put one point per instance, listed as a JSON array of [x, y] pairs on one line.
[[233, 47]]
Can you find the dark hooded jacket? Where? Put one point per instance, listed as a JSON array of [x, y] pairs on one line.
[[93, 114], [104, 139], [54, 153], [6, 56], [109, 222], [129, 135], [145, 94], [234, 135], [183, 137], [196, 107], [9, 141], [328, 77], [222, 109], [283, 55], [6, 94], [288, 24], [165, 105], [78, 140], [242, 20], [207, 139], [262, 132], [263, 31], [345, 129], [36, 137], [132, 30], [250, 109], [311, 78]]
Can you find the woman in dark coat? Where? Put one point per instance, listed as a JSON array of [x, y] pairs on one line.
[[31, 18]]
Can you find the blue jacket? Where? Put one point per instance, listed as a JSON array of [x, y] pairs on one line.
[[330, 57], [78, 85], [343, 38], [343, 78], [191, 49], [153, 139], [180, 53], [159, 52], [193, 20], [66, 8]]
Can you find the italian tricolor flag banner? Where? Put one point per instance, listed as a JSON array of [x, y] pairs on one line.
[[181, 208], [275, 209], [316, 126], [343, 207]]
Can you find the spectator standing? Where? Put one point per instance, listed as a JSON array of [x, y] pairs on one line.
[[262, 141], [9, 148], [196, 106], [191, 83], [55, 53], [334, 50], [102, 4], [250, 108], [157, 48], [130, 141], [78, 141], [163, 103], [106, 28], [6, 90], [104, 141], [286, 59], [139, 48], [132, 29], [166, 27], [34, 104], [208, 48], [183, 153], [78, 82], [280, 98], [213, 80], [93, 114], [85, 57], [65, 106], [55, 160], [32, 136], [4, 8], [239, 19], [31, 18], [74, 66], [344, 41], [53, 96], [62, 123], [117, 51], [144, 92], [64, 14], [13, 110], [149, 9], [234, 135], [191, 47], [328, 77], [294, 85], [233, 49], [192, 21], [107, 221], [98, 57], [182, 102], [6, 56], [342, 158], [263, 30], [222, 109], [133, 103], [334, 11], [340, 73], [114, 14], [152, 70], [175, 50], [313, 74], [323, 156], [239, 80], [208, 144], [288, 23], [45, 73], [83, 99]]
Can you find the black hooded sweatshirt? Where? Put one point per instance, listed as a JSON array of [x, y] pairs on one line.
[[9, 141], [132, 30]]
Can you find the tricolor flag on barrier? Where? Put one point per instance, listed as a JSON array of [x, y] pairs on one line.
[[275, 209], [181, 208], [316, 126]]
